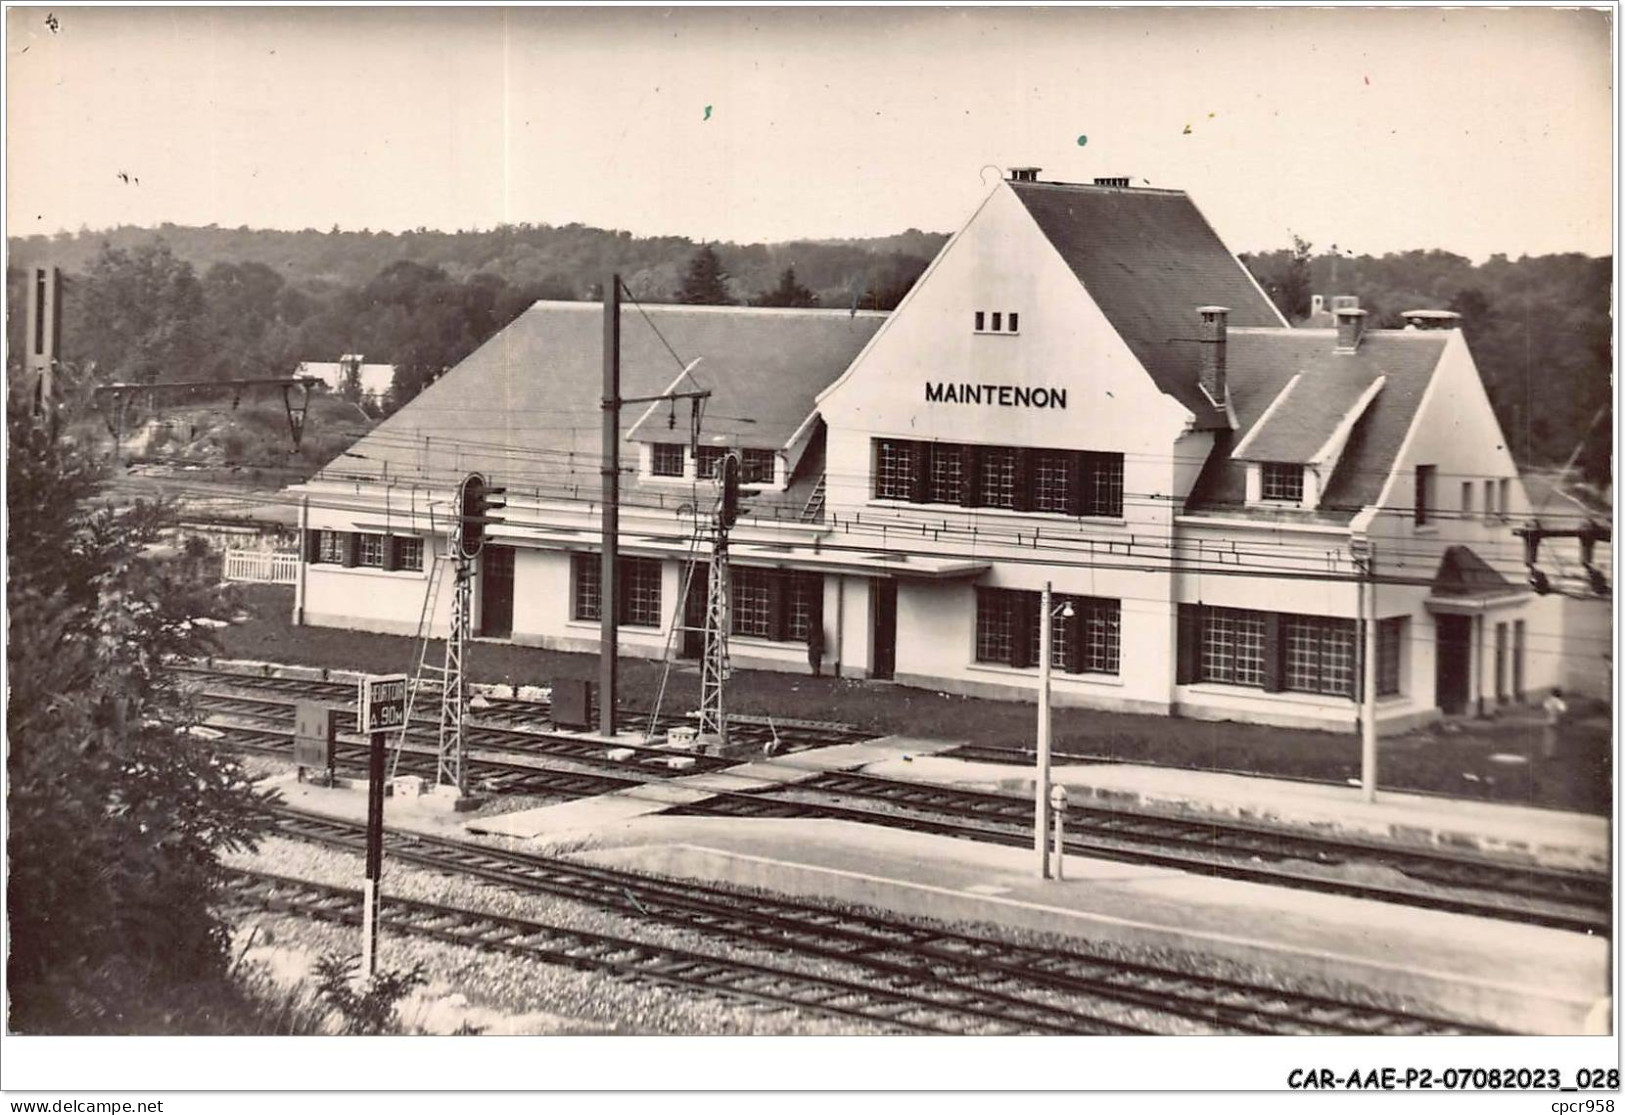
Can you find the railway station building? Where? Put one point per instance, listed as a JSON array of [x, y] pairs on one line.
[[1085, 388]]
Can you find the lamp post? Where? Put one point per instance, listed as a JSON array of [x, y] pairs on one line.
[[1047, 614]]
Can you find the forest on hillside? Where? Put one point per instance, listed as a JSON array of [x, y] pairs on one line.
[[210, 303]]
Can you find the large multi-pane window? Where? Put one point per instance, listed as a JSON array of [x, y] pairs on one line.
[[666, 458], [1272, 651], [1282, 482], [639, 590], [947, 475], [751, 601], [708, 460], [1051, 473], [333, 547], [998, 477], [640, 582], [370, 551], [409, 553], [1233, 647], [1319, 655], [894, 469], [1008, 631], [1390, 647], [1047, 481], [806, 604], [756, 466]]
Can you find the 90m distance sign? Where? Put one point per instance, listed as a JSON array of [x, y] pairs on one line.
[[383, 703]]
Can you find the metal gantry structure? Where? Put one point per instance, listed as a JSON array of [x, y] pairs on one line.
[[714, 667]]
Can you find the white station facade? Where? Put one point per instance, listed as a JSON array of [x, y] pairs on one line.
[[1085, 388]]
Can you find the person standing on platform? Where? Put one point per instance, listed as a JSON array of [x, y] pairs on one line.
[[815, 649], [1555, 707]]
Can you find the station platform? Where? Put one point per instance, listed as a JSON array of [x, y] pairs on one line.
[[1548, 837]]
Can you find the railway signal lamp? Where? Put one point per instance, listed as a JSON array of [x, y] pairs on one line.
[[729, 513], [476, 500]]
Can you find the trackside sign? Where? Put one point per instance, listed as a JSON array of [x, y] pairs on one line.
[[383, 703]]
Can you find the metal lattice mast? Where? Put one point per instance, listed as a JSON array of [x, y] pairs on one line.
[[454, 689], [714, 667]]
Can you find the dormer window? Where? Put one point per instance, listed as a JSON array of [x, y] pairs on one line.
[[998, 321], [1282, 483], [666, 458]]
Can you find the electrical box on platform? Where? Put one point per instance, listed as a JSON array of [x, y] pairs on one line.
[[313, 734], [572, 703]]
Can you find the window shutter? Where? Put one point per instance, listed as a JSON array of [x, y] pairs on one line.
[[352, 550], [1188, 665], [1070, 630], [919, 471], [1023, 494], [1023, 621], [392, 553], [970, 476], [1074, 484], [1274, 652], [778, 605], [313, 546]]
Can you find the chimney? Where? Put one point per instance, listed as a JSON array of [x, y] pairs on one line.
[[1024, 173], [1350, 328], [1212, 367], [1116, 183], [1431, 319]]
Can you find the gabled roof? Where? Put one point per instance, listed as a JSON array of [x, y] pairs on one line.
[[1303, 418], [1149, 258], [1463, 573], [525, 407], [1262, 362]]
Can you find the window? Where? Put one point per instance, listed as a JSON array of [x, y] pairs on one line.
[[588, 582], [751, 603], [638, 586], [1506, 498], [1466, 498], [1050, 476], [1232, 647], [666, 458], [1319, 655], [334, 547], [1489, 498], [1390, 647], [1008, 631], [1282, 482], [370, 552], [995, 619], [947, 474], [894, 469], [756, 466], [1424, 493], [1102, 479], [1501, 663], [707, 460], [998, 477], [806, 603], [409, 553], [996, 321]]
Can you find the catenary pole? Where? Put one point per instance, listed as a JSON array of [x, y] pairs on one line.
[[1368, 678], [1041, 779], [608, 585]]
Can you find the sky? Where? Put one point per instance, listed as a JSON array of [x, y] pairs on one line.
[[1471, 130]]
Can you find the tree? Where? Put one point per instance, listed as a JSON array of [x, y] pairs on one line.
[[787, 293], [144, 316], [705, 283], [118, 813]]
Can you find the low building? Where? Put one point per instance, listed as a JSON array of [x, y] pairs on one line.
[[372, 381], [1084, 389]]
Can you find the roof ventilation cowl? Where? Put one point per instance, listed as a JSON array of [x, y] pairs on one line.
[[1115, 183], [1024, 173], [1431, 319]]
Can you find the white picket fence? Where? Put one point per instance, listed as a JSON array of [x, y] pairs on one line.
[[262, 567]]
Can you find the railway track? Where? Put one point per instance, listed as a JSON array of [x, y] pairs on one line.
[[1453, 882], [905, 1005], [1070, 986]]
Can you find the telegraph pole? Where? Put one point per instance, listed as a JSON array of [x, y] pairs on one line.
[[608, 586]]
